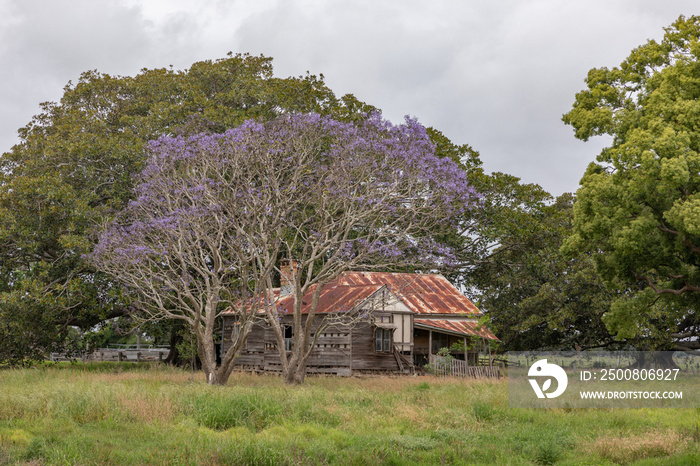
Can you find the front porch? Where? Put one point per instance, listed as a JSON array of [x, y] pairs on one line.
[[428, 341], [464, 339]]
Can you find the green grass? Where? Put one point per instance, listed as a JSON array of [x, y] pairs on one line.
[[127, 414]]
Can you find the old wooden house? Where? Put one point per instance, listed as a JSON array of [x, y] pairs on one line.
[[402, 319]]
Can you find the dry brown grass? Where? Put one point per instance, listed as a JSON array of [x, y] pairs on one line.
[[148, 409], [414, 415], [632, 447], [388, 383], [116, 377]]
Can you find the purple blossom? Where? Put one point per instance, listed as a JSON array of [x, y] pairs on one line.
[[302, 176]]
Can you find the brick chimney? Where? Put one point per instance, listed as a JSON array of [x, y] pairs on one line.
[[288, 269]]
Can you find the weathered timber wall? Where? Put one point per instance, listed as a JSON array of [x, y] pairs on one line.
[[339, 350], [331, 355], [253, 353], [364, 356]]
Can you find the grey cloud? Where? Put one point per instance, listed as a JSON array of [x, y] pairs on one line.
[[495, 75]]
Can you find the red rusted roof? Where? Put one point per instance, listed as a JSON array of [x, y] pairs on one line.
[[429, 294], [334, 298], [457, 326], [423, 294], [258, 302]]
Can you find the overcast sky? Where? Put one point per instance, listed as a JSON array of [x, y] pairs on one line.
[[496, 75]]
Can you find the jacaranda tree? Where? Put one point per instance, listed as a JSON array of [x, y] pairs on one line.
[[215, 214], [369, 195]]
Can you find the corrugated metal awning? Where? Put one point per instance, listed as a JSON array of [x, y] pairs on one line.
[[466, 328]]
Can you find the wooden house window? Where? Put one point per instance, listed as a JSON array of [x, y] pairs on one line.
[[440, 340], [287, 337], [382, 341], [235, 333]]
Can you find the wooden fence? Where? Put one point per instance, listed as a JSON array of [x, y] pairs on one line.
[[117, 354], [444, 367]]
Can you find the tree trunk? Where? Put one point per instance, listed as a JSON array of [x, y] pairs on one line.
[[656, 359], [228, 361], [665, 360], [175, 339], [291, 369], [296, 369], [220, 375], [300, 373], [296, 373], [662, 360], [208, 357], [289, 377]]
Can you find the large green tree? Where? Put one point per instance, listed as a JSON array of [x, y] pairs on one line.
[[508, 260], [638, 208], [536, 297], [74, 167]]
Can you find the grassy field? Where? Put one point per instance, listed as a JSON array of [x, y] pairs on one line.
[[128, 414]]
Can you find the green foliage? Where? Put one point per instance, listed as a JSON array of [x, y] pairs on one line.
[[458, 346], [117, 331], [464, 155], [638, 206], [534, 296], [187, 346], [27, 332], [508, 260], [74, 168]]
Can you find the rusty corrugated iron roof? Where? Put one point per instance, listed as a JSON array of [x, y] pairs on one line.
[[462, 327], [257, 302], [334, 298], [422, 293], [427, 294]]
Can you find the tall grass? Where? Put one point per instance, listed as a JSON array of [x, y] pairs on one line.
[[128, 414]]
